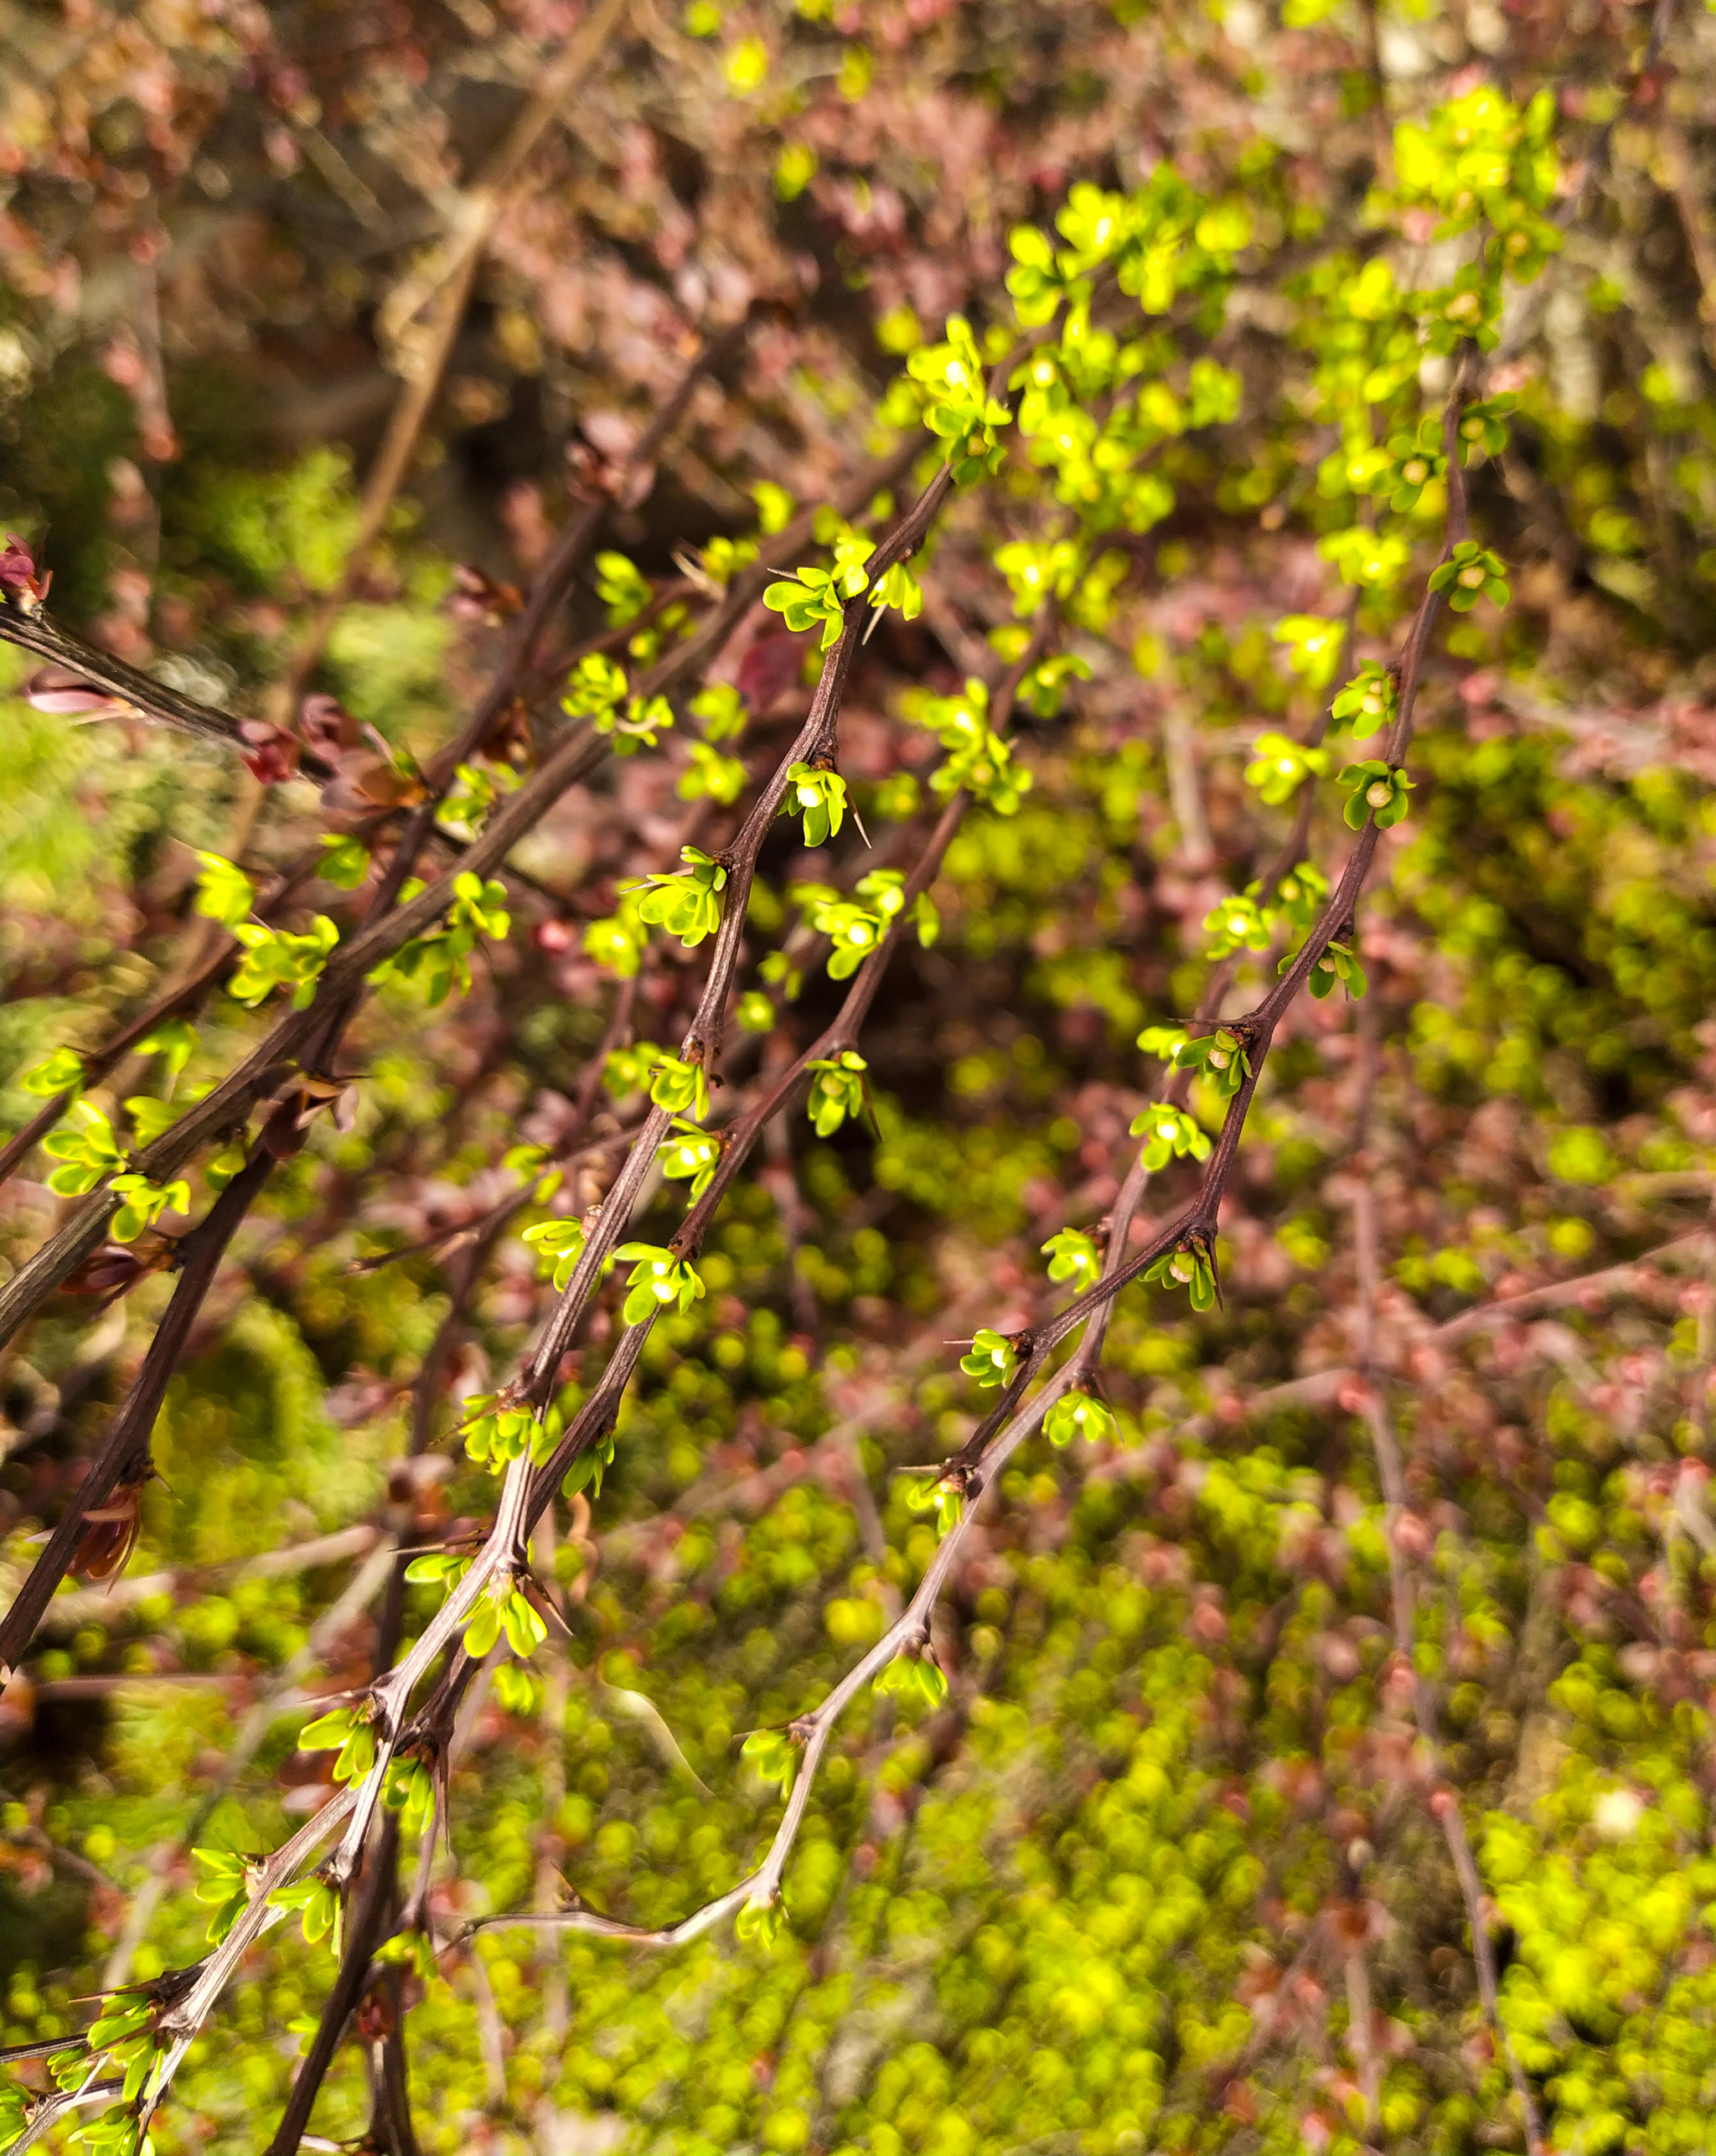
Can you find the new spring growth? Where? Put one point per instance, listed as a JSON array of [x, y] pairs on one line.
[[273, 958], [1313, 646], [712, 775], [1039, 569], [1415, 463], [227, 1880], [1484, 427], [712, 772], [1189, 1266], [1367, 700], [628, 1070], [220, 1168], [898, 588], [715, 566], [854, 925], [61, 1071], [854, 929], [149, 1117], [440, 961], [1245, 921], [1239, 922], [176, 1039], [530, 1164], [318, 1903], [506, 1609], [656, 1279], [1374, 788], [347, 1731], [66, 2070], [277, 958], [836, 1091], [586, 1471], [820, 595], [1045, 686], [561, 1241], [1412, 463], [1220, 1056], [497, 1431], [1280, 767], [87, 1149], [677, 1085], [772, 1756], [517, 1690], [465, 809], [125, 2033], [762, 1920], [621, 587], [819, 796], [944, 1497], [410, 1791], [345, 861], [596, 691], [123, 2017], [89, 1153], [1035, 281], [721, 709], [225, 893], [991, 1358], [1373, 560], [1169, 1134], [755, 1011], [779, 971], [914, 1676], [1470, 573], [478, 908], [1338, 963], [1300, 894], [618, 943], [441, 1568], [979, 760], [1073, 1258], [690, 1155], [117, 2133], [1079, 1413], [957, 407], [686, 904]]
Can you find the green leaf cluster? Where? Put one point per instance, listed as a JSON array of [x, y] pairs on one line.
[[686, 903]]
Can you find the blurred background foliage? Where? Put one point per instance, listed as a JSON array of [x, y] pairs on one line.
[[1159, 1874]]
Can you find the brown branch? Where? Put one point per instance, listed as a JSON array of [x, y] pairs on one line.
[[365, 1922], [1257, 1030], [182, 996], [388, 926], [526, 1495], [702, 1043], [124, 1458], [143, 697]]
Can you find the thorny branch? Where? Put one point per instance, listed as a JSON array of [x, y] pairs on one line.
[[977, 1465], [527, 1490]]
